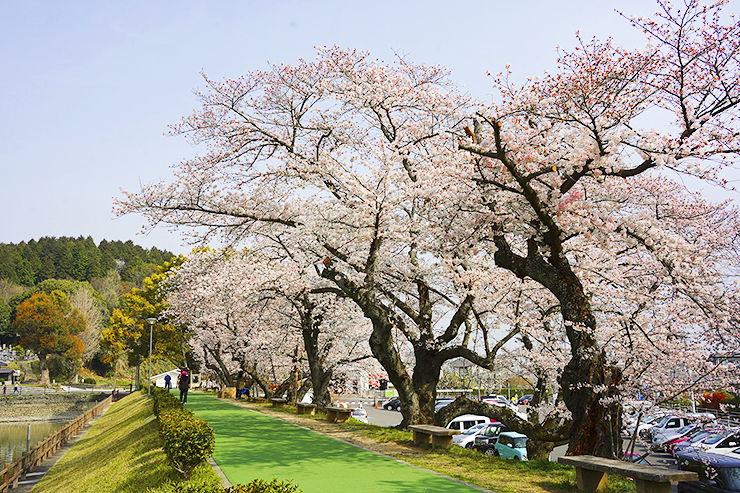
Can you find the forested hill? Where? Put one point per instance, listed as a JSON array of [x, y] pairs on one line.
[[29, 263]]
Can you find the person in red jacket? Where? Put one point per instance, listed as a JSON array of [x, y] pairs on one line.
[[183, 383]]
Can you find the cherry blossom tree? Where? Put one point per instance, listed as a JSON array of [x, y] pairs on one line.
[[569, 179], [248, 308], [342, 162], [458, 227]]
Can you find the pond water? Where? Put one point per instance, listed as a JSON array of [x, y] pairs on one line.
[[13, 437]]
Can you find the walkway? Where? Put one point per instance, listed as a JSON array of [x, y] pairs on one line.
[[252, 445]]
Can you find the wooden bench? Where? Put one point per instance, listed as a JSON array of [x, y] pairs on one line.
[[441, 437], [305, 408], [278, 402], [340, 414], [591, 474]]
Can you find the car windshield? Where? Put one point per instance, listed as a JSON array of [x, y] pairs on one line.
[[520, 442], [701, 436], [713, 439], [662, 422], [475, 429]]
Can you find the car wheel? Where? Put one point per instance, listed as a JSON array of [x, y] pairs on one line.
[[388, 408], [469, 446], [490, 451]]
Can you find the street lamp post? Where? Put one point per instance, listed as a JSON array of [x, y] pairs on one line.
[[151, 321]]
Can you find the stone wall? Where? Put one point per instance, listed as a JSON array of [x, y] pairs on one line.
[[40, 407]]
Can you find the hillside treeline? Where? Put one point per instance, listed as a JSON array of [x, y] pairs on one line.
[[79, 259], [73, 276]]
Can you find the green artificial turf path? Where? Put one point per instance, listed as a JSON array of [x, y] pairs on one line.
[[251, 445]]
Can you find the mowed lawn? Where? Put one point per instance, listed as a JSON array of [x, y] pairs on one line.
[[250, 445]]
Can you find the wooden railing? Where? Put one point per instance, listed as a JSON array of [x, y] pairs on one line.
[[17, 470]]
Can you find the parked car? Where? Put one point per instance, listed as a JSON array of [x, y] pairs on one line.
[[695, 440], [392, 404], [715, 443], [359, 414], [645, 423], [525, 400], [485, 441], [697, 434], [666, 424], [440, 403], [717, 473], [466, 439], [483, 398], [728, 452], [511, 445], [662, 439], [467, 421], [503, 402]]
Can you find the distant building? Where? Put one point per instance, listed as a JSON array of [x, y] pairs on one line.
[[6, 375], [159, 379]]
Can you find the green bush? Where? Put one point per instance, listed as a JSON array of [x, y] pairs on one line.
[[164, 402], [187, 441], [254, 486], [89, 380], [262, 486], [193, 487]]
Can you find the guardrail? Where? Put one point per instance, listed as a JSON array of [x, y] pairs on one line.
[[17, 470]]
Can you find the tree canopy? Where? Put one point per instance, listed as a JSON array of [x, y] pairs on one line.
[[48, 325], [29, 263], [456, 226], [128, 328]]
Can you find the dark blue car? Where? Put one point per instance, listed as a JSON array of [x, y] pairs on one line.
[[717, 473]]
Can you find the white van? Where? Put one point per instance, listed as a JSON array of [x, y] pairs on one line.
[[462, 423]]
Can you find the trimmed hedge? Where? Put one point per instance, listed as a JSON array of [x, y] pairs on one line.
[[186, 440], [189, 441], [164, 402], [262, 486]]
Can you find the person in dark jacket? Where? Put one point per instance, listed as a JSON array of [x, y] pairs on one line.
[[183, 383], [240, 379]]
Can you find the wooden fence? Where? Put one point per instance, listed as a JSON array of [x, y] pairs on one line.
[[16, 471]]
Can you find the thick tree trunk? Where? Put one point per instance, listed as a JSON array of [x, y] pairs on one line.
[[588, 383], [261, 383], [320, 381], [590, 393], [425, 380], [418, 394], [320, 376], [218, 366], [293, 383], [382, 347]]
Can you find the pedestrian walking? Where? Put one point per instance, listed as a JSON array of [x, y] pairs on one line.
[[16, 389], [183, 383], [240, 384], [167, 382]]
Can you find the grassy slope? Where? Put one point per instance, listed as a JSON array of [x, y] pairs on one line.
[[120, 453]]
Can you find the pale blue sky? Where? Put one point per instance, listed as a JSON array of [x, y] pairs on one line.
[[87, 88]]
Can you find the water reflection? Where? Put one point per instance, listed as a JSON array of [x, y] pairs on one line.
[[13, 437]]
